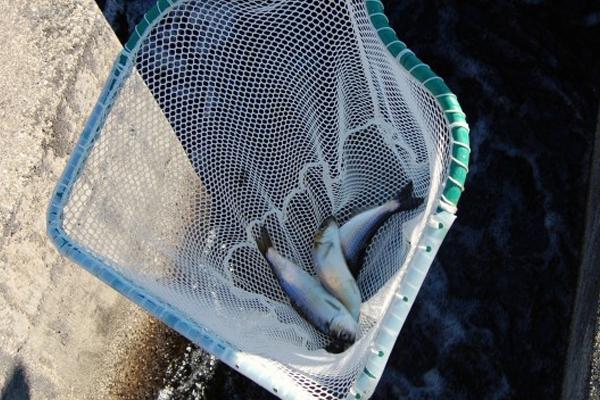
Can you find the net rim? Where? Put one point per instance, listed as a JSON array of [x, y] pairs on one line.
[[448, 101], [430, 242]]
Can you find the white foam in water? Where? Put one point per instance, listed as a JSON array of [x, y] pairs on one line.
[[229, 116]]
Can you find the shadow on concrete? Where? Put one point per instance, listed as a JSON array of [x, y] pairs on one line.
[[17, 386]]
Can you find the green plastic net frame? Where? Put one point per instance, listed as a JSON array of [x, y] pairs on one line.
[[220, 117]]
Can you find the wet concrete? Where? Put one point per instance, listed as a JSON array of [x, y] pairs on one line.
[[160, 364], [141, 374]]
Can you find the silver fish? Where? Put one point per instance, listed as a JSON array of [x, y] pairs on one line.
[[356, 234], [308, 296], [331, 267]]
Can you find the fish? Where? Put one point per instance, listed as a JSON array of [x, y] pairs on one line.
[[357, 232], [332, 269], [308, 296]]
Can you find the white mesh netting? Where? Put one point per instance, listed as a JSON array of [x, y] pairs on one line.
[[238, 114]]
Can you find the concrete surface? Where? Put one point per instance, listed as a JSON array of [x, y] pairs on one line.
[[581, 380], [63, 332], [591, 370]]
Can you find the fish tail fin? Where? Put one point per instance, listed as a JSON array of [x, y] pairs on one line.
[[263, 242], [328, 221], [406, 198]]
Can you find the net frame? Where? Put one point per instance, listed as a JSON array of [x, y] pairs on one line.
[[250, 365]]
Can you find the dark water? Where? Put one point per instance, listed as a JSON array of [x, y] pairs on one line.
[[492, 319]]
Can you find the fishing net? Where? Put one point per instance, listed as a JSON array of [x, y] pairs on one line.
[[221, 117]]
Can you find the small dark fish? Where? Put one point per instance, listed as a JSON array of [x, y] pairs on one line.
[[308, 296], [332, 269], [356, 234]]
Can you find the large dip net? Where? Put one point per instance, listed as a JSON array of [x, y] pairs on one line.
[[221, 117]]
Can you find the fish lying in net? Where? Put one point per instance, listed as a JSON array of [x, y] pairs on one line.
[[308, 296], [356, 233], [331, 268]]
